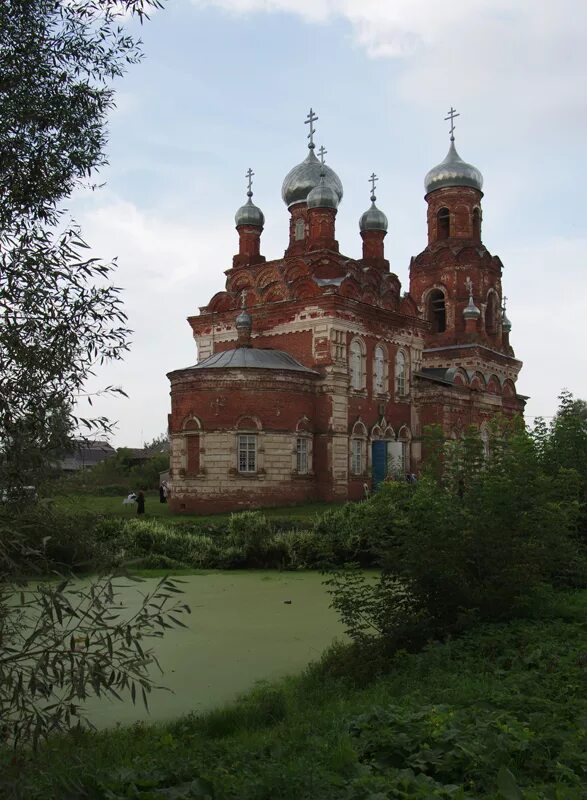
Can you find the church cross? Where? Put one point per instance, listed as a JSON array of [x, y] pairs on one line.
[[469, 284], [504, 301], [310, 121], [249, 174], [322, 152], [451, 115], [373, 180], [243, 298]]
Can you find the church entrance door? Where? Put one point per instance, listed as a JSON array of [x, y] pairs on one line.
[[379, 462]]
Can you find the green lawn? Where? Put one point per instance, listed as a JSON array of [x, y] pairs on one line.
[[153, 508], [498, 714]]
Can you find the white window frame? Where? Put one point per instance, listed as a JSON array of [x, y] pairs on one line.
[[246, 445], [357, 457], [379, 365], [356, 365], [302, 455], [401, 375]]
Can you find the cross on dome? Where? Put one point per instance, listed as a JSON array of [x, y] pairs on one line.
[[243, 299], [451, 115], [504, 301], [249, 174], [311, 119], [373, 180], [322, 152]]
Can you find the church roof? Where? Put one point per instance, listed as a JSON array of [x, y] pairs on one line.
[[252, 358]]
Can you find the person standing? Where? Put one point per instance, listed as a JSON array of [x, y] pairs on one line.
[[140, 503], [162, 494]]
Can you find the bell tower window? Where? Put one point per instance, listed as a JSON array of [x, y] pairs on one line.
[[443, 223], [491, 315], [437, 311], [300, 230], [476, 224]]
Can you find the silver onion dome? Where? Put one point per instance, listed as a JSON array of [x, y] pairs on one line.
[[322, 196], [506, 325], [471, 311], [373, 219], [453, 171], [244, 321], [249, 214], [304, 177]]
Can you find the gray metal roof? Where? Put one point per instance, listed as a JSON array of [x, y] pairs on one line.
[[252, 358], [300, 180], [453, 171]]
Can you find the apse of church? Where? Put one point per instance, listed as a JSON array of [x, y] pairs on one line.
[[316, 374]]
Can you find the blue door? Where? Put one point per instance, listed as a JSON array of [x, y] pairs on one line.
[[379, 462]]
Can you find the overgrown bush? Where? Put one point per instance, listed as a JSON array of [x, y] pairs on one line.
[[469, 541]]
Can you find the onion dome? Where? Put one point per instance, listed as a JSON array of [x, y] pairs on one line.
[[506, 325], [453, 171], [322, 196], [373, 219], [244, 321], [304, 177], [249, 214], [471, 311]]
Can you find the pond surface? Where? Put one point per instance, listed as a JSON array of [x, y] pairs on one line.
[[240, 631]]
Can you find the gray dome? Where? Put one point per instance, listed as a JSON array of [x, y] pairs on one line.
[[252, 358], [471, 311], [453, 171], [249, 214], [244, 320], [300, 181], [322, 196], [506, 325], [373, 219]]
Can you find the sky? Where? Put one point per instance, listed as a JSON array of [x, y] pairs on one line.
[[226, 85]]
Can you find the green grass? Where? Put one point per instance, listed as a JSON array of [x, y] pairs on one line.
[[112, 506], [500, 714]]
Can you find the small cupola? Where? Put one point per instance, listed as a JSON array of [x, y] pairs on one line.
[[506, 325], [373, 227], [249, 221], [322, 195], [249, 214], [373, 219], [244, 325], [453, 171]]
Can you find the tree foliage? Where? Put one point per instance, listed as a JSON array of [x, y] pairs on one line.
[[474, 538], [60, 315]]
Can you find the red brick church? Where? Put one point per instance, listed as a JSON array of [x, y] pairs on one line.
[[316, 375]]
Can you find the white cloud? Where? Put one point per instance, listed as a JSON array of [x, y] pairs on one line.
[[167, 270], [546, 282], [519, 58]]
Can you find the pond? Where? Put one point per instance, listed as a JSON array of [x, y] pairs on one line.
[[241, 630]]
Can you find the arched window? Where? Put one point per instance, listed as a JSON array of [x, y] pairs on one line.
[[477, 224], [300, 230], [491, 314], [437, 311], [401, 374], [303, 447], [247, 450], [379, 370], [358, 452], [443, 223], [356, 364]]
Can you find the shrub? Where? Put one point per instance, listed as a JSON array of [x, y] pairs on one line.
[[304, 549], [471, 542], [251, 532]]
